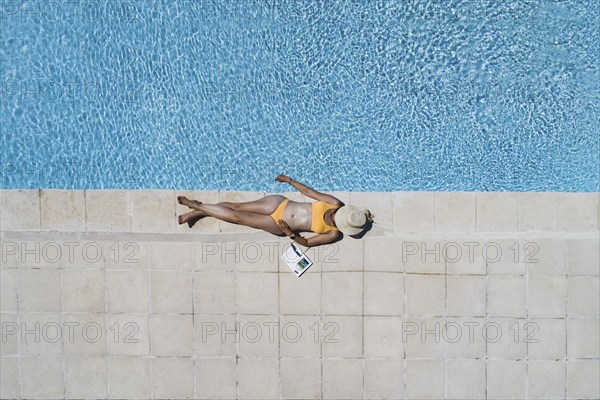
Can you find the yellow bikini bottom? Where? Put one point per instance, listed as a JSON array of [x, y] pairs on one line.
[[278, 213]]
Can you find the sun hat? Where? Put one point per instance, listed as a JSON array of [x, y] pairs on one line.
[[352, 220]]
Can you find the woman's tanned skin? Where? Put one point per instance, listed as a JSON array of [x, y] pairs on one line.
[[297, 216]]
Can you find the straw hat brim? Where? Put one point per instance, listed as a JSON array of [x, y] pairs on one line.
[[341, 221]]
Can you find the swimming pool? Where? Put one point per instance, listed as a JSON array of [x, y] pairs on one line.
[[370, 96]]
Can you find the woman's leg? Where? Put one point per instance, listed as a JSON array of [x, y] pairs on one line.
[[246, 218], [266, 206]]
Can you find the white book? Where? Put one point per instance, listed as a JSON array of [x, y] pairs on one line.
[[296, 259]]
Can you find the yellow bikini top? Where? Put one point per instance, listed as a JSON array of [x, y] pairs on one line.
[[318, 224]]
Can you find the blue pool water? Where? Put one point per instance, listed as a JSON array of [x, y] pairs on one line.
[[344, 95]]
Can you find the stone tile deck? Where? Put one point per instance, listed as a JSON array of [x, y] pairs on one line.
[[452, 295]]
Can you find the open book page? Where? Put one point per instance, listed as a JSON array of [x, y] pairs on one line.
[[296, 260]]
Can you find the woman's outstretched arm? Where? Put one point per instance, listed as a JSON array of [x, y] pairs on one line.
[[316, 240], [307, 191]]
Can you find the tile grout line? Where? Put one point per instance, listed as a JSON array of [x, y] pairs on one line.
[[487, 288], [85, 216], [129, 211], [40, 208], [235, 326], [194, 358], [566, 360], [557, 213], [19, 377], [476, 219], [321, 319], [517, 230], [321, 355], [404, 319], [150, 349], [106, 310], [363, 324], [527, 341], [446, 325], [278, 327], [433, 212], [62, 309]]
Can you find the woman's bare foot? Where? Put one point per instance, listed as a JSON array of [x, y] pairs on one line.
[[183, 218], [182, 199], [187, 202], [190, 218]]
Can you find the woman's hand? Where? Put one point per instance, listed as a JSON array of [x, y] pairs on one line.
[[285, 228], [283, 178]]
